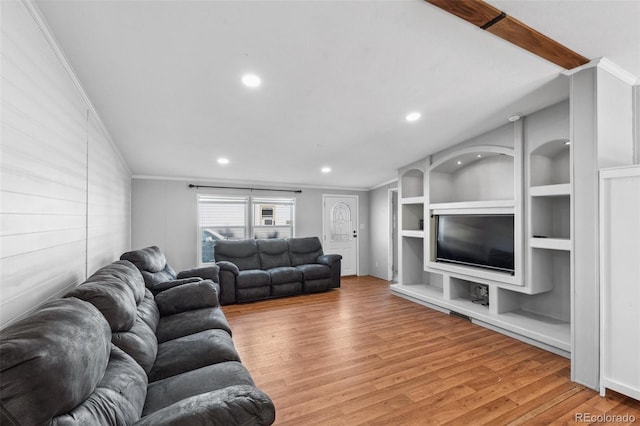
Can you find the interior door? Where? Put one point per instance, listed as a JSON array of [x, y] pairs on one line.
[[340, 225]]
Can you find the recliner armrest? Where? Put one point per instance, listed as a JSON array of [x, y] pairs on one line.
[[206, 273], [329, 259], [173, 283], [233, 405], [187, 297], [228, 266]]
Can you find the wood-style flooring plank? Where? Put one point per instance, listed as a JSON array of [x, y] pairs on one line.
[[359, 355]]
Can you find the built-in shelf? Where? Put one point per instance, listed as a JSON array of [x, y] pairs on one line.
[[545, 331], [550, 243], [556, 190], [412, 234], [472, 205], [412, 200]]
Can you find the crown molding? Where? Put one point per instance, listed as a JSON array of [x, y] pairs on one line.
[[608, 66], [234, 182], [46, 31], [380, 185]]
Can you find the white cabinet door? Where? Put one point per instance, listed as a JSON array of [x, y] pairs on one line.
[[620, 280]]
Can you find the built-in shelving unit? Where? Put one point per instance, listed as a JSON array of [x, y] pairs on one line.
[[520, 169]]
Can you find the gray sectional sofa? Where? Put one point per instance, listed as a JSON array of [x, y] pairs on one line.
[[112, 352], [260, 269]]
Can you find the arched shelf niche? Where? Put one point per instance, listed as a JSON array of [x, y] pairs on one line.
[[412, 184], [479, 173], [550, 163]]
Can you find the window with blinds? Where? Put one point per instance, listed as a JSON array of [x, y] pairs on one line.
[[230, 218], [273, 217]]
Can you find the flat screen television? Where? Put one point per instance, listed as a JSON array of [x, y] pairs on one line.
[[484, 241]]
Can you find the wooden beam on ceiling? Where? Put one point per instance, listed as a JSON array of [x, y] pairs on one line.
[[489, 18]]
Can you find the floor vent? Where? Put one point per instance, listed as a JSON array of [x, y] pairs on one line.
[[459, 315]]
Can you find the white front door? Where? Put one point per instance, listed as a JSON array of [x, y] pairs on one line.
[[340, 229]]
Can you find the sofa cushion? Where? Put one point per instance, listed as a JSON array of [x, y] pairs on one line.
[[285, 274], [139, 342], [314, 271], [165, 392], [273, 253], [127, 273], [148, 310], [53, 360], [233, 405], [304, 250], [113, 298], [190, 322], [252, 278], [118, 398], [244, 254], [192, 352]]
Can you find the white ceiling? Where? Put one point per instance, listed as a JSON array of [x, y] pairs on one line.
[[338, 79]]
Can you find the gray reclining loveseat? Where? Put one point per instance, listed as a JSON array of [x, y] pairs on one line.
[[260, 269], [111, 352]]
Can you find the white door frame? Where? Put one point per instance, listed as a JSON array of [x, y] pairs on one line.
[[357, 224], [390, 236]]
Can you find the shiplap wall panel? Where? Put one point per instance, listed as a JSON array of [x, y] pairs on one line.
[[45, 228], [109, 201]]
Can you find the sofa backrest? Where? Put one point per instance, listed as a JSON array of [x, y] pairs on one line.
[[304, 250], [273, 253], [118, 291], [152, 264], [57, 360], [244, 253]]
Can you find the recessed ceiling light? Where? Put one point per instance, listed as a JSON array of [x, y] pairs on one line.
[[567, 142], [479, 155], [459, 162], [515, 117], [413, 116], [325, 169], [251, 80], [223, 160]]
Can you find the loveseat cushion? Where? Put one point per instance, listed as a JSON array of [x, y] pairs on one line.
[[190, 322], [192, 352], [273, 253], [285, 274], [187, 297], [244, 253], [252, 278], [165, 392], [314, 271], [304, 250], [53, 360]]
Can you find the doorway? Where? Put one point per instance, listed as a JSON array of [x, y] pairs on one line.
[[392, 274], [340, 229]]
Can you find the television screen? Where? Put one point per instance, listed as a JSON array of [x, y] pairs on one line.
[[476, 240]]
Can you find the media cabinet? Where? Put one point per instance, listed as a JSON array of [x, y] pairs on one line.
[[521, 169]]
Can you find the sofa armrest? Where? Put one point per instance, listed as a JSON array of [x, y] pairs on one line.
[[233, 405], [206, 273], [165, 285], [228, 266], [187, 297], [329, 259]]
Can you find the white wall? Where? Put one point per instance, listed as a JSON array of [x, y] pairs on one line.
[[65, 193], [164, 213]]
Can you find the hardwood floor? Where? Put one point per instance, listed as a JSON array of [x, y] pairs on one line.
[[360, 355]]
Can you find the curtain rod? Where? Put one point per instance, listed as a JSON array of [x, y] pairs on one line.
[[295, 191]]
